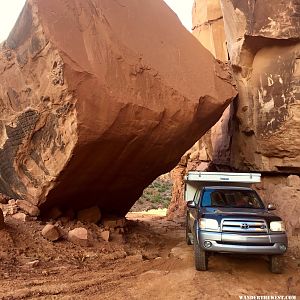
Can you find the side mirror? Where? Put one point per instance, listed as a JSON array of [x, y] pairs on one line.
[[191, 204], [271, 206]]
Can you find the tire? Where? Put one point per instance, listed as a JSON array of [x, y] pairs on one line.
[[201, 257], [187, 231], [276, 264]]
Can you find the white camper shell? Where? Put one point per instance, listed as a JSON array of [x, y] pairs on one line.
[[196, 179]]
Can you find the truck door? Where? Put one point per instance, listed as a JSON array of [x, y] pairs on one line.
[[193, 212]]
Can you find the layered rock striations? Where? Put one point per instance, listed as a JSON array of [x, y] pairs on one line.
[[98, 98]]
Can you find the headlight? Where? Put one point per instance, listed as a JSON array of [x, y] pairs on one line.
[[277, 226], [209, 224]]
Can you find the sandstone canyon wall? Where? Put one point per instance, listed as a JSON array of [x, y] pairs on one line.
[[262, 132], [264, 47], [98, 98]]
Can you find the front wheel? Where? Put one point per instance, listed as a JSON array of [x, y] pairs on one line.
[[201, 257], [276, 264]]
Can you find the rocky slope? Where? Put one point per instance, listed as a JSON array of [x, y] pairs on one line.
[[98, 98]]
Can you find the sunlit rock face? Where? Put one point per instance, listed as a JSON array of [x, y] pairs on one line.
[[264, 48], [98, 98], [260, 131], [208, 28]]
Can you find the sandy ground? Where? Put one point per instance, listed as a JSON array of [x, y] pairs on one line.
[[152, 262]]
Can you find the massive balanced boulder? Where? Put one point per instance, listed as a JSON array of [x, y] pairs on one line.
[[98, 98]]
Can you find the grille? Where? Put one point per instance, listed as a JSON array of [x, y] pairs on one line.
[[244, 225], [246, 244]]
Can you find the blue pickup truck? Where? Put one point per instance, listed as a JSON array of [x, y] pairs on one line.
[[231, 218]]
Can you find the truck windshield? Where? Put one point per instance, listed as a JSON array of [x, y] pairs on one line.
[[231, 199]]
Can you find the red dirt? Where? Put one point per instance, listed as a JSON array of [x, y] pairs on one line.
[[152, 263]]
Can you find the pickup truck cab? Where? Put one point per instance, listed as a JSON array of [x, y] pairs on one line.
[[233, 219]]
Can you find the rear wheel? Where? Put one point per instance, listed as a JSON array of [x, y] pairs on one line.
[[187, 232], [201, 257], [276, 264]]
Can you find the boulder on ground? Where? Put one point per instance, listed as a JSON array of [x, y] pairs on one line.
[[105, 235], [51, 232], [20, 216], [28, 207], [79, 236]]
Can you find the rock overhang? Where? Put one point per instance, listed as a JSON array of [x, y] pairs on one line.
[[98, 100]]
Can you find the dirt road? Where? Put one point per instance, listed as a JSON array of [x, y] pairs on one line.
[[152, 262]]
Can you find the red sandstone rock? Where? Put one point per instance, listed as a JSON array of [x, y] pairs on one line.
[[264, 47], [208, 27], [97, 100], [51, 233], [262, 132], [79, 236], [20, 216], [29, 208], [105, 235]]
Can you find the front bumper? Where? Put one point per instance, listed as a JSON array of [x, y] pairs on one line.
[[243, 243]]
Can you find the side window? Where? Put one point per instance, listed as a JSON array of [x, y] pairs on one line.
[[206, 200], [196, 197]]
